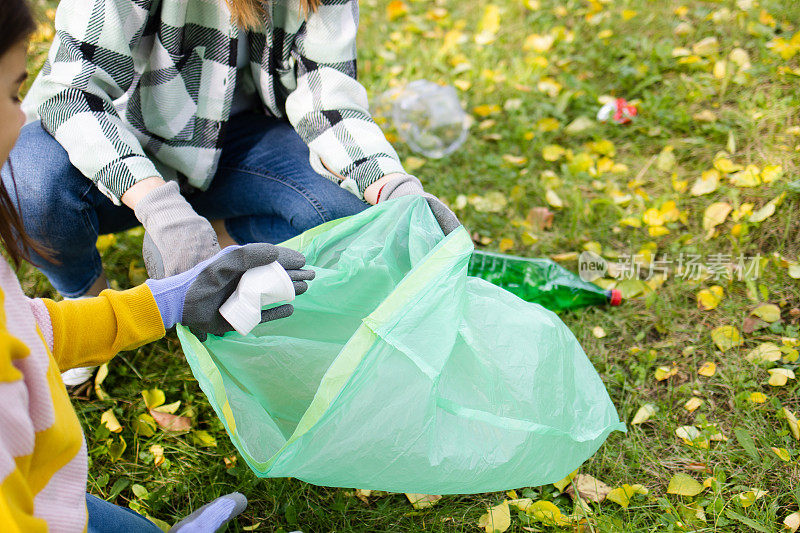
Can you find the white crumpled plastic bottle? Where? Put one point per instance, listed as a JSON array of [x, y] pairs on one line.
[[259, 287]]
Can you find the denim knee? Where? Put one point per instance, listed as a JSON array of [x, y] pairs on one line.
[[50, 195], [47, 190], [322, 204]]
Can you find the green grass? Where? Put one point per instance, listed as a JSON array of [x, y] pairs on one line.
[[660, 327]]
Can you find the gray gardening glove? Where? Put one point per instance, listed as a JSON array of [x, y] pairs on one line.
[[176, 238], [194, 297], [405, 185]]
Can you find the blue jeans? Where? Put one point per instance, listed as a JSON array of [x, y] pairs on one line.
[[264, 189], [105, 517]]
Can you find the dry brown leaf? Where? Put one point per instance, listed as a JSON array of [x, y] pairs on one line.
[[171, 422], [540, 218], [589, 488], [752, 323]]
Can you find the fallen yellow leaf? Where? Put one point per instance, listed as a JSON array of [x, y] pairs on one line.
[[553, 152], [653, 217], [757, 397], [692, 404], [547, 513], [690, 436], [666, 159], [748, 498], [153, 398], [485, 110], [726, 337], [101, 375], [488, 26], [707, 369], [144, 425], [622, 495], [203, 438], [706, 47], [707, 183], [548, 124], [778, 377], [158, 454], [643, 414], [422, 501], [792, 522], [794, 427], [549, 86], [170, 408], [414, 163], [764, 352], [520, 503], [538, 43], [783, 453], [726, 166], [505, 245], [109, 420], [684, 485], [514, 159], [116, 448], [771, 173], [710, 298], [767, 312], [561, 485], [632, 222], [749, 177], [715, 215], [766, 211], [720, 68], [396, 9], [553, 199], [497, 519], [665, 372], [740, 58]]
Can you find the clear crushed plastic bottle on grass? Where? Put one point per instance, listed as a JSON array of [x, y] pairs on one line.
[[428, 117]]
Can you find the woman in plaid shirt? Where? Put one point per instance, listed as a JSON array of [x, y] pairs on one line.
[[203, 121]]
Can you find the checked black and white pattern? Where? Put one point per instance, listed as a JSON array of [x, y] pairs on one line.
[[140, 88]]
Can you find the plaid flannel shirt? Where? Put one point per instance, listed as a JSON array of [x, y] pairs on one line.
[[140, 88]]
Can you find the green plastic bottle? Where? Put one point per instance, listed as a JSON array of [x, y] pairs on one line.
[[540, 281]]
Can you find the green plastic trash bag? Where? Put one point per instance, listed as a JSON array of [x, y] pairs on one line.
[[399, 372]]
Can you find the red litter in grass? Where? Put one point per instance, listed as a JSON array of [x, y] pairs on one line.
[[619, 111]]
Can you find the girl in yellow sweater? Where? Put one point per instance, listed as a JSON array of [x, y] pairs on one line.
[[43, 460]]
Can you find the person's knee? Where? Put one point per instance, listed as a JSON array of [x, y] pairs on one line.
[[318, 209], [307, 213], [44, 186]]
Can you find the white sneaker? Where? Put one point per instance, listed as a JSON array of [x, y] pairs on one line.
[[76, 376]]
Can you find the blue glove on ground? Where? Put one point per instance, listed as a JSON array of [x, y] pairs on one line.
[[194, 297]]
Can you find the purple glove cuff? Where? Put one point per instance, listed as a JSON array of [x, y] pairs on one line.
[[170, 293]]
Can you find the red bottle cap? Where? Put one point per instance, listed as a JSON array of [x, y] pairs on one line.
[[616, 297]]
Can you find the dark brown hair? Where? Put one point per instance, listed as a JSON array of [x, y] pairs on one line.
[[253, 13], [16, 25]]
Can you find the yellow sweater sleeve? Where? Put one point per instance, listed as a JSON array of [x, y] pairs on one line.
[[93, 330]]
